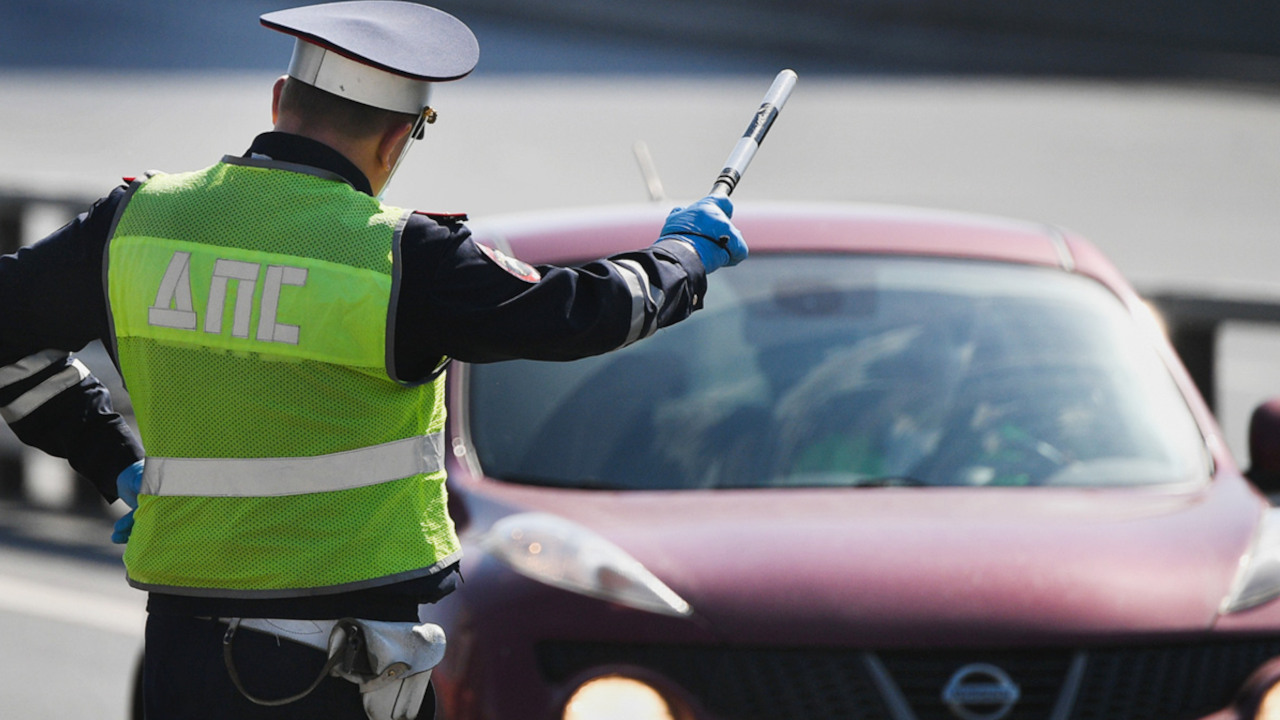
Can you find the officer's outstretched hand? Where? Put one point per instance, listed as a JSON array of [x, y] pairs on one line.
[[128, 485], [706, 225]]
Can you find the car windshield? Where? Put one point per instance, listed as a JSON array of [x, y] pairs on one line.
[[854, 371]]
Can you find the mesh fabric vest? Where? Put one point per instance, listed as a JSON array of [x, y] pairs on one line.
[[250, 311]]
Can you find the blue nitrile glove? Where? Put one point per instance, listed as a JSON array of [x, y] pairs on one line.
[[706, 225], [128, 485]]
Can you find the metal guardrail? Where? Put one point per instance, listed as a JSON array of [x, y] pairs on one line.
[[1194, 322], [16, 471], [16, 207]]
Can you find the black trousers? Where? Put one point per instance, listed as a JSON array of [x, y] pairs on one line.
[[185, 676]]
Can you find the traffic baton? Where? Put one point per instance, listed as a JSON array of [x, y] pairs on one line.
[[746, 148]]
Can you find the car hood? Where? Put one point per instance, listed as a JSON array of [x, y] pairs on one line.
[[915, 566]]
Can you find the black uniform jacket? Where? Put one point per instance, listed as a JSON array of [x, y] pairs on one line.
[[455, 301]]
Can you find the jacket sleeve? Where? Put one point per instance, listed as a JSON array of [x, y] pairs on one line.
[[54, 305], [460, 300]]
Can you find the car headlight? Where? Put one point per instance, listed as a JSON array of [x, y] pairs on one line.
[[617, 697], [1258, 580], [566, 555], [1269, 708]]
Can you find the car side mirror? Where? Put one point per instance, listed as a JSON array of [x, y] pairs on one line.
[[1264, 447]]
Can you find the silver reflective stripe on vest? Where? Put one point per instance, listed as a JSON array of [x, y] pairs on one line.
[[31, 400], [273, 477]]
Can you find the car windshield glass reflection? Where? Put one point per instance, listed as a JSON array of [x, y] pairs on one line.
[[854, 372]]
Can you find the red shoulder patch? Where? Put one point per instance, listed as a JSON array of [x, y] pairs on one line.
[[443, 217], [518, 268]]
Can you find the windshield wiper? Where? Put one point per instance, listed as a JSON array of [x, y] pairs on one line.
[[594, 484], [588, 483], [891, 481], [842, 480]]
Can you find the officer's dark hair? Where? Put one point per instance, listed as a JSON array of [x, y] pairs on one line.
[[317, 107]]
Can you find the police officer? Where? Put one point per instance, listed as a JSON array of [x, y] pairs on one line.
[[283, 335]]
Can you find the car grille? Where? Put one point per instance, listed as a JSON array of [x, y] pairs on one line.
[[1165, 682]]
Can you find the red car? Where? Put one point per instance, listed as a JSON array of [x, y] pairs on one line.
[[905, 465]]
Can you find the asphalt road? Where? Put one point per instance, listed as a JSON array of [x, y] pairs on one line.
[[1177, 183], [72, 629]]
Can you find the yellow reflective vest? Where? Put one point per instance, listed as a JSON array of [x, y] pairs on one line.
[[250, 304]]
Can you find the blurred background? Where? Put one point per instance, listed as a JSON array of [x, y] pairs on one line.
[[1151, 127]]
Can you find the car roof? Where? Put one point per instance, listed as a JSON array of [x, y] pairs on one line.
[[566, 236]]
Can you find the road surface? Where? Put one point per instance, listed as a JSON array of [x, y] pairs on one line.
[[1176, 182]]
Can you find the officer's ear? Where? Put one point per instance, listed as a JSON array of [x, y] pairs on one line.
[[275, 98], [393, 142]]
